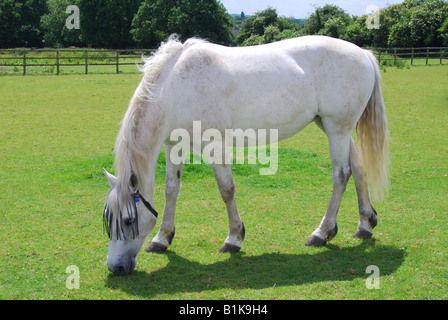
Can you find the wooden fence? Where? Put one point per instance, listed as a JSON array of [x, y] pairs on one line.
[[57, 58], [85, 58], [425, 53]]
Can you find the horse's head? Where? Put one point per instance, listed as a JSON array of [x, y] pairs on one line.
[[128, 219]]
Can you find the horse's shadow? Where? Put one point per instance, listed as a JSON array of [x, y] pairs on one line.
[[262, 271]]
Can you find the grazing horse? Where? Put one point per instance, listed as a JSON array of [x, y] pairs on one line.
[[284, 86]]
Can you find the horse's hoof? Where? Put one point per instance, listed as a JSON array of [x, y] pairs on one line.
[[227, 247], [156, 247], [363, 234], [314, 241]]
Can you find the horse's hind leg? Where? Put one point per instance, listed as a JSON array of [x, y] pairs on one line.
[[172, 187], [367, 215], [341, 171], [223, 175]]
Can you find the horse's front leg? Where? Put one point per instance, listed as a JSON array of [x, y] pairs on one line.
[[172, 187], [223, 175]]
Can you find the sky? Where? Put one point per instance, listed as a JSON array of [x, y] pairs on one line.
[[302, 9]]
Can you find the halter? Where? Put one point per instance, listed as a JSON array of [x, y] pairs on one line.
[[108, 219], [137, 196]]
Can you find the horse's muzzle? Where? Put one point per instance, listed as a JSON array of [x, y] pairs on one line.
[[123, 268]]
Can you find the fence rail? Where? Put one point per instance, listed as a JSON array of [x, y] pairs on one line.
[[57, 58], [25, 58], [423, 53]]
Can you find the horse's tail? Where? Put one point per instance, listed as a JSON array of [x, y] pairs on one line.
[[373, 138]]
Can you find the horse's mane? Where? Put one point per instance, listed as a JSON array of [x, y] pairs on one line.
[[153, 64], [128, 157]]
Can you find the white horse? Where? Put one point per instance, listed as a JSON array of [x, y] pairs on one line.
[[285, 86]]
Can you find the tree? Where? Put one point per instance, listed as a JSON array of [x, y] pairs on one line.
[[265, 27], [157, 19], [10, 11], [254, 26], [358, 33], [336, 27], [399, 35], [425, 20], [20, 23], [107, 23], [53, 24], [414, 23], [329, 20], [443, 33]]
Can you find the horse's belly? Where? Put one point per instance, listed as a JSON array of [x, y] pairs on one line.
[[284, 102], [287, 119]]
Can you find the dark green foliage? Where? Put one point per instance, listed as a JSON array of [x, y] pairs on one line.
[[265, 27], [20, 23], [145, 23], [412, 24], [157, 19], [107, 23]]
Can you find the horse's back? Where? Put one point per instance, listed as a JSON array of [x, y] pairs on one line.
[[282, 85]]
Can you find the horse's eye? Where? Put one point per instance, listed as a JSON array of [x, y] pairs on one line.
[[128, 221]]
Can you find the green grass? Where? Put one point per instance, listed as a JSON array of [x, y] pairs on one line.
[[57, 132]]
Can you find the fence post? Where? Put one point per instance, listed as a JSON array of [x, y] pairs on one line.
[[427, 55], [57, 61], [86, 62], [441, 51], [24, 63], [379, 56], [395, 56], [118, 61], [412, 56]]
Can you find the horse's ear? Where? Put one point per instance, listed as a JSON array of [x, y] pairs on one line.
[[111, 179], [133, 182]]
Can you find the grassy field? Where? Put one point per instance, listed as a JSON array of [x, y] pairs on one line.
[[57, 132]]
